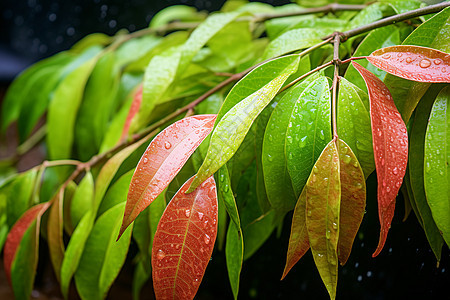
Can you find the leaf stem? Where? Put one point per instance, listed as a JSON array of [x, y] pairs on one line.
[[304, 76], [32, 141]]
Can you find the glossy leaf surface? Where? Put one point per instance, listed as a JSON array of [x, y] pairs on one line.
[[323, 197], [55, 233], [184, 241], [82, 199], [436, 163], [20, 254], [353, 200], [353, 123], [414, 63], [234, 125], [298, 240], [163, 159], [309, 131], [234, 251], [390, 148]]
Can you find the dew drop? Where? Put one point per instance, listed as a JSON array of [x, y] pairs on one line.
[[395, 171], [425, 63], [222, 177], [145, 160], [409, 60], [160, 254], [269, 157], [290, 155], [428, 167], [309, 213], [270, 138], [200, 216], [202, 250], [437, 62], [207, 239], [386, 56], [444, 70], [335, 226], [187, 212], [359, 186], [225, 188], [441, 172], [315, 169], [167, 145], [347, 159], [388, 189], [328, 234], [205, 224], [322, 135]]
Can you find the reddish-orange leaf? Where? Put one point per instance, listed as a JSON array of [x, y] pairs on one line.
[[134, 108], [18, 230], [298, 241], [184, 241], [353, 200], [390, 147], [413, 63], [163, 159]]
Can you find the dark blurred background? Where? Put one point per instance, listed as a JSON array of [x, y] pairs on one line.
[[406, 269]]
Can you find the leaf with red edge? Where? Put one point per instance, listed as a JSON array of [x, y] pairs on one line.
[[184, 241], [298, 240], [20, 270], [413, 62], [55, 233], [353, 200], [163, 159], [134, 108], [390, 147]]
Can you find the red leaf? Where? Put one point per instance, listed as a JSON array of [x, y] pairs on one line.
[[163, 159], [390, 147], [413, 62], [134, 108], [184, 241], [18, 230]]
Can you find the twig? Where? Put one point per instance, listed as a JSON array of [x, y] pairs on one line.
[[305, 75]]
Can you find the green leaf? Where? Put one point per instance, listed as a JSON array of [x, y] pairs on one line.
[[117, 193], [102, 257], [280, 191], [368, 15], [353, 123], [82, 199], [96, 108], [416, 170], [23, 87], [18, 194], [402, 6], [226, 194], [309, 131], [234, 251], [94, 39], [433, 34], [293, 40], [55, 233], [323, 197], [376, 39], [63, 110], [436, 163], [237, 120], [172, 13]]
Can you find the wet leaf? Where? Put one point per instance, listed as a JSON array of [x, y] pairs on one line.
[[163, 159], [353, 200], [416, 170], [55, 233], [236, 122], [280, 191], [82, 199], [323, 197], [298, 240], [137, 100], [309, 131], [390, 148], [20, 254], [184, 241], [234, 251], [226, 194], [413, 62], [102, 257], [353, 123], [436, 163]]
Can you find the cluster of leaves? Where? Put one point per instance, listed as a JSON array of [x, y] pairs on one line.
[[280, 140]]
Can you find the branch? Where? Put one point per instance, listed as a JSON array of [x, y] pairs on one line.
[[394, 19]]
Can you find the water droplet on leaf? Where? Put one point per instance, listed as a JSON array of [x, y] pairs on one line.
[[167, 145], [207, 239], [187, 213], [160, 254], [425, 63]]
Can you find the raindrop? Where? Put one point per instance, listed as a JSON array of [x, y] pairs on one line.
[[222, 177], [160, 254], [328, 234], [335, 226], [309, 213], [322, 135], [167, 145], [347, 159], [225, 188], [205, 224], [270, 138], [409, 60], [177, 246], [428, 167], [269, 157], [441, 172], [302, 142], [386, 56], [425, 63], [289, 139], [145, 160], [200, 216], [187, 213], [444, 70], [437, 62], [207, 239], [359, 186], [315, 169], [395, 171], [202, 250]]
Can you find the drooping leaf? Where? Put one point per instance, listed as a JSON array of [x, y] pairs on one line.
[[55, 233], [323, 195], [280, 191], [226, 194], [172, 13], [353, 123], [436, 163], [117, 193], [184, 241], [390, 148], [237, 120], [102, 257], [413, 62], [234, 251], [416, 170], [353, 200], [298, 240], [309, 131], [63, 110], [20, 254], [82, 199], [162, 160], [434, 34]]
